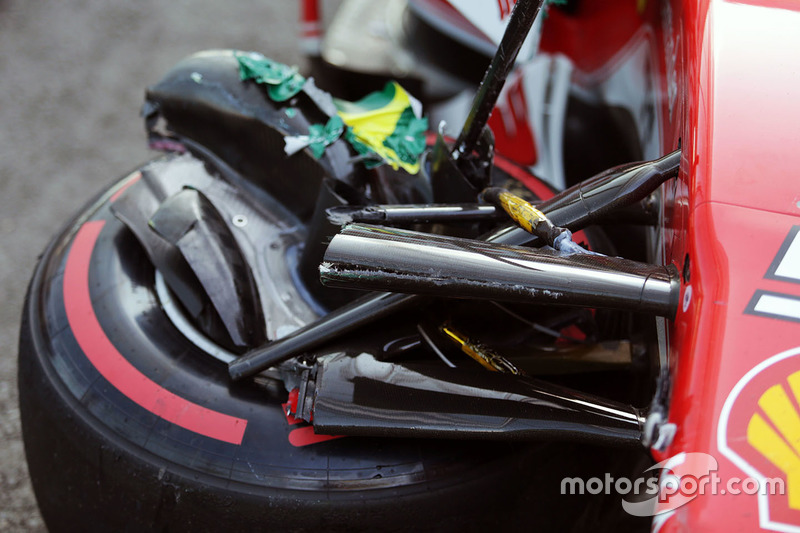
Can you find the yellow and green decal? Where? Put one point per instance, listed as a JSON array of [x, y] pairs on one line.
[[383, 127], [386, 126]]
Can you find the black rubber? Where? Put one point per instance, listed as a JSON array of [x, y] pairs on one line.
[[101, 462]]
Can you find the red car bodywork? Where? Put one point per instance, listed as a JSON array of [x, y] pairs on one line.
[[732, 213], [729, 87], [728, 82]]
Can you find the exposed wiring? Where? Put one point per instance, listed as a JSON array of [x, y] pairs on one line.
[[480, 353], [436, 350], [538, 327]]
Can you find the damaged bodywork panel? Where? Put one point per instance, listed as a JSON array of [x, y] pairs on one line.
[[360, 395], [202, 104], [223, 256]]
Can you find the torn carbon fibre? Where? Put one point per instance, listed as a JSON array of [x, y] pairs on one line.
[[360, 395]]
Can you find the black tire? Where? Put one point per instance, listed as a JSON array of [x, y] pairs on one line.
[[100, 461]]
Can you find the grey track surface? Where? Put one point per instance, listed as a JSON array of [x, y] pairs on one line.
[[72, 77]]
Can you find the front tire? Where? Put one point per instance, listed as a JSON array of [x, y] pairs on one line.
[[130, 426]]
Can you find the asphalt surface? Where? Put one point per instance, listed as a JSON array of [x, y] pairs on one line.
[[72, 77]]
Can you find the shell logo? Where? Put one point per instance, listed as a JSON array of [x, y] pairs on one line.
[[779, 439], [759, 431]]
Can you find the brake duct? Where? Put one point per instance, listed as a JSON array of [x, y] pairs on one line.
[[190, 243]]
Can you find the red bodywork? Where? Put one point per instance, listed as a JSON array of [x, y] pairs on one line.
[[728, 84], [732, 213]]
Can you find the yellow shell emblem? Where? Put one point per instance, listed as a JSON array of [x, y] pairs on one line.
[[777, 434]]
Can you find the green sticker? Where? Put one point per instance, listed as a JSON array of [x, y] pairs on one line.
[[408, 138], [318, 138], [371, 102], [287, 88], [370, 158], [322, 136], [262, 69], [283, 82]]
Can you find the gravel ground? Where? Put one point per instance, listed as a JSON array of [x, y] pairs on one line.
[[72, 75]]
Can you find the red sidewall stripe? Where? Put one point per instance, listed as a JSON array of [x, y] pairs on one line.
[[113, 366], [130, 181]]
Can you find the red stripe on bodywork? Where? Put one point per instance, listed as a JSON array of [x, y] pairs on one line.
[[115, 368]]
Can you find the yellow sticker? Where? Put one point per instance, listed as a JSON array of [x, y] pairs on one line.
[[375, 119]]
